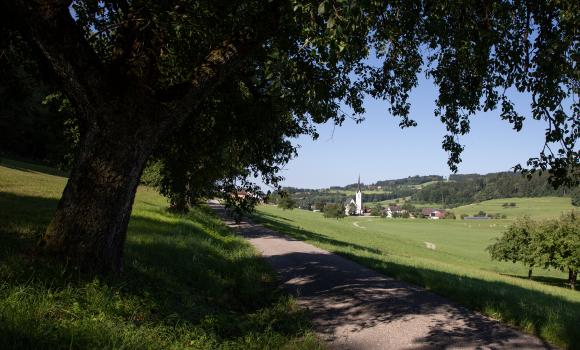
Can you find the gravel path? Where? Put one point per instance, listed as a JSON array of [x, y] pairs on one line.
[[353, 307]]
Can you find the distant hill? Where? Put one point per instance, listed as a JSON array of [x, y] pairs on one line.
[[459, 189], [470, 188]]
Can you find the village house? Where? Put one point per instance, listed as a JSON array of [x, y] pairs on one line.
[[393, 210], [426, 212], [432, 213], [438, 214]]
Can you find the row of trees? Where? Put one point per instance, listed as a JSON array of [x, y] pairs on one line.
[[551, 243], [482, 214]]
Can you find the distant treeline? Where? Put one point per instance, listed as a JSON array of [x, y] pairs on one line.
[[387, 185], [470, 188], [410, 181]]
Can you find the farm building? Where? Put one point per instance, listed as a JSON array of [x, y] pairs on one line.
[[437, 214], [432, 213]]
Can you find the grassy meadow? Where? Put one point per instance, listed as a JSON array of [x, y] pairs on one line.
[[449, 258], [188, 283]]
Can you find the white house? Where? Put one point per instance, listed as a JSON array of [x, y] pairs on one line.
[[393, 209], [357, 201]]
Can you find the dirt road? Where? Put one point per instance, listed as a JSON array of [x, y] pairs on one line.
[[353, 307]]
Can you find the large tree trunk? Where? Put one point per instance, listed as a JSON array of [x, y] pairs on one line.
[[572, 277], [90, 224]]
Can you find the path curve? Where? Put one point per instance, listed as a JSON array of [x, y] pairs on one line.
[[355, 224], [353, 307]]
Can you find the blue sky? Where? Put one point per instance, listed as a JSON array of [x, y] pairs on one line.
[[378, 149]]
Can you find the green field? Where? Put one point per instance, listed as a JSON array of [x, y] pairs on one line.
[[457, 267], [188, 282], [537, 208]]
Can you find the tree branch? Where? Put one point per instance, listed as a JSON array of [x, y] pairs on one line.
[[49, 26], [218, 64]]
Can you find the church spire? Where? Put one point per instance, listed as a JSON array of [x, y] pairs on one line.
[[358, 186]]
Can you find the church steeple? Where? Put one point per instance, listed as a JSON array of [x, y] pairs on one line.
[[358, 199]]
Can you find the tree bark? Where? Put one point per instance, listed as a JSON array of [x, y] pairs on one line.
[[530, 274], [89, 227], [572, 278]]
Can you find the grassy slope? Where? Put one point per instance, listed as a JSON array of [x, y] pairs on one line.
[[188, 282], [537, 208], [459, 267]]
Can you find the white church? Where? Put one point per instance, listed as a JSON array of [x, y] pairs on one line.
[[357, 202]]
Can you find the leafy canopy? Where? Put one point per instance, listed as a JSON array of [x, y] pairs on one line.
[[304, 62]]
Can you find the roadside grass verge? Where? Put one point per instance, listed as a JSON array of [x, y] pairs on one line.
[[552, 313], [188, 282]]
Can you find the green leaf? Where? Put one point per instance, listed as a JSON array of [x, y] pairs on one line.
[[322, 8], [331, 22]]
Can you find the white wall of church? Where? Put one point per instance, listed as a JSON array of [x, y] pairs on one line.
[[359, 205]]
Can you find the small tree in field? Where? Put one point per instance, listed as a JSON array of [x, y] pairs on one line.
[[450, 215], [334, 211], [558, 245], [286, 202], [517, 244]]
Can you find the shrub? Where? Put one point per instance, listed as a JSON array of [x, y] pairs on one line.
[[377, 210], [286, 202], [334, 211]]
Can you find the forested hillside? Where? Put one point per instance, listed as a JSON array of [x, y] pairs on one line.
[[469, 188], [458, 190]]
